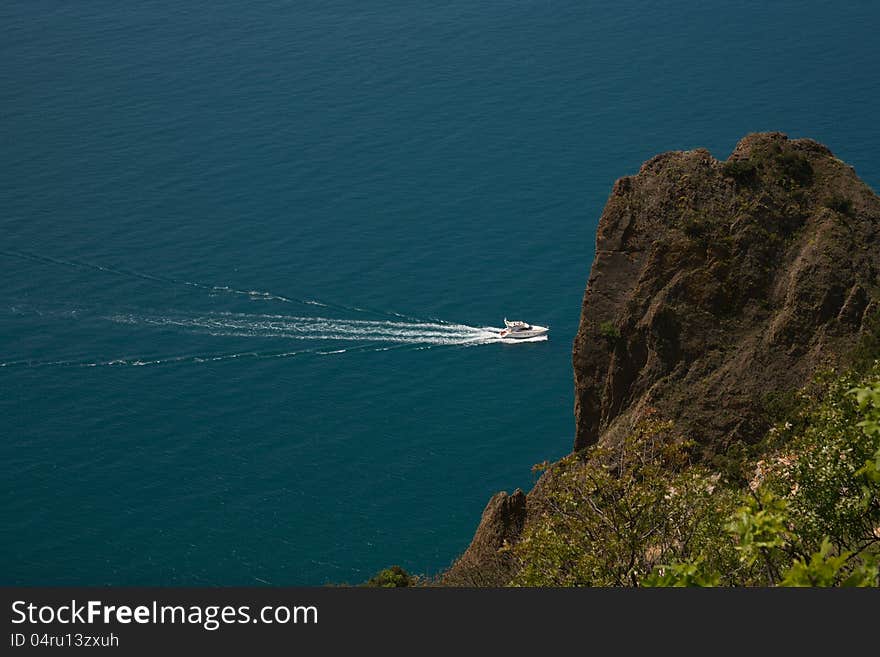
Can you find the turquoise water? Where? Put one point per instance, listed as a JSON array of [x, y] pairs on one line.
[[248, 250]]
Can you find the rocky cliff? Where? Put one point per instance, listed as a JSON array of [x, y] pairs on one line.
[[716, 287], [716, 283]]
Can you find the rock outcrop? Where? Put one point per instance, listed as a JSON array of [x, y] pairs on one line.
[[716, 287], [715, 284], [484, 562]]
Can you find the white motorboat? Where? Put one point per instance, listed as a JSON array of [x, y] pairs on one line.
[[520, 330]]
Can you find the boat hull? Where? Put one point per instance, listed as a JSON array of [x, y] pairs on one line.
[[532, 332]]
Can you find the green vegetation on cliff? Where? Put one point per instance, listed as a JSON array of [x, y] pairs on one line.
[[802, 508], [393, 577]]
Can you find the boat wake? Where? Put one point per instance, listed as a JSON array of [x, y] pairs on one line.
[[318, 335], [290, 327]]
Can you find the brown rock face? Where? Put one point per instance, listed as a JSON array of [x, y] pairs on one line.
[[482, 564], [716, 284]]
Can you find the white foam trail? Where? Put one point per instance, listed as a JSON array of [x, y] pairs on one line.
[[293, 327], [537, 338], [373, 335]]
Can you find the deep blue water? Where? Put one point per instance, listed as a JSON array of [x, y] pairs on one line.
[[178, 178]]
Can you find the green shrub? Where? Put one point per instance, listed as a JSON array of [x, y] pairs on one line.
[[610, 332], [867, 351], [642, 513], [839, 204], [811, 514], [696, 226], [393, 577], [779, 405], [745, 172], [828, 567], [795, 166], [613, 513]]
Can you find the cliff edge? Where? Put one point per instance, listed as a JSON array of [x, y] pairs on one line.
[[716, 287], [716, 283]]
